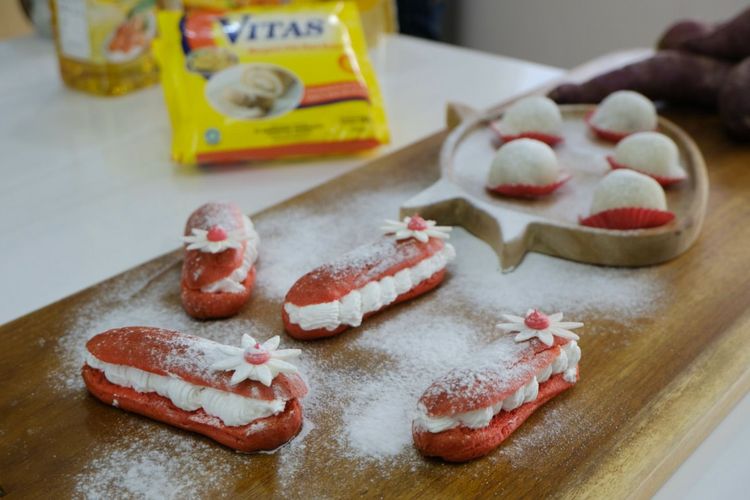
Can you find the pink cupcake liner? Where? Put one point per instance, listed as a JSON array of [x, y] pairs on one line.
[[604, 134], [628, 218], [527, 190], [550, 140], [661, 179]]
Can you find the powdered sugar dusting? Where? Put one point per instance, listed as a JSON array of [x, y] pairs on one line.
[[472, 382], [215, 214], [367, 262], [364, 384], [376, 258], [378, 421], [161, 466]]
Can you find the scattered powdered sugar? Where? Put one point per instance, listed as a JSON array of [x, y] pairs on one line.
[[376, 428], [546, 283], [416, 347], [364, 384], [299, 239], [162, 465], [367, 263], [156, 303], [226, 215]]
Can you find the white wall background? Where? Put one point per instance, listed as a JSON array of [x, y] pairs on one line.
[[566, 33]]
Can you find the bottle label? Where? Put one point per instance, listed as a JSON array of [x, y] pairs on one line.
[[105, 32]]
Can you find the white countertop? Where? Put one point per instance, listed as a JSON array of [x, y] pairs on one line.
[[84, 177]]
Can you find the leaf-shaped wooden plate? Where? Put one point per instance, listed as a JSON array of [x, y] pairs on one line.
[[550, 225]]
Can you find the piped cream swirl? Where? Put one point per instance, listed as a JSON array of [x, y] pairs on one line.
[[232, 409]]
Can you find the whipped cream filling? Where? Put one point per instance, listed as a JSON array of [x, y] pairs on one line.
[[352, 307], [234, 282], [566, 363], [232, 409]]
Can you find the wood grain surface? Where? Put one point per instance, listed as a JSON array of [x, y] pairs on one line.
[[648, 394]]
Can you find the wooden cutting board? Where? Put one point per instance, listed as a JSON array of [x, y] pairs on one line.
[[652, 386]]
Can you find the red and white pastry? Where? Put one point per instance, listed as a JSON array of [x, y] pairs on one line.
[[626, 199], [534, 117], [468, 412], [219, 267], [246, 398], [525, 168], [408, 261], [649, 153], [622, 113]]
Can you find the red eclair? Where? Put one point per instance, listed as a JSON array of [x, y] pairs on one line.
[[409, 261], [468, 412], [185, 381], [219, 267]]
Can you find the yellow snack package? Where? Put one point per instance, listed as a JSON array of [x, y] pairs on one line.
[[259, 83]]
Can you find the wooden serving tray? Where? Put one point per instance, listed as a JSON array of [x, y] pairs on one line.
[[549, 225], [655, 379]]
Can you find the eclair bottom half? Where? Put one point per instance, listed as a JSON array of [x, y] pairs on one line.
[[216, 305], [462, 444], [263, 434]]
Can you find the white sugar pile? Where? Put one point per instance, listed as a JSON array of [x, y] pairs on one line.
[[360, 412], [418, 346], [160, 466]]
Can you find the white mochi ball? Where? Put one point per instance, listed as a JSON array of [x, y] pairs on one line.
[[524, 161], [650, 152], [625, 112], [532, 114], [627, 188]]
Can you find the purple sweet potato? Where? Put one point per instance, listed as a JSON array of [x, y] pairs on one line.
[[672, 76], [734, 101], [729, 40], [681, 31]]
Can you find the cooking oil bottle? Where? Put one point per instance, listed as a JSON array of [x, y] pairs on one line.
[[104, 46]]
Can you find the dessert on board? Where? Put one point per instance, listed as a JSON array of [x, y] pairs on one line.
[[469, 412], [534, 117], [622, 113], [408, 261], [649, 153], [218, 271], [246, 398], [626, 199], [525, 168]]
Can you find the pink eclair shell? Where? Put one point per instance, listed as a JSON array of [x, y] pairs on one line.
[[470, 390], [203, 270], [381, 263], [188, 358]]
